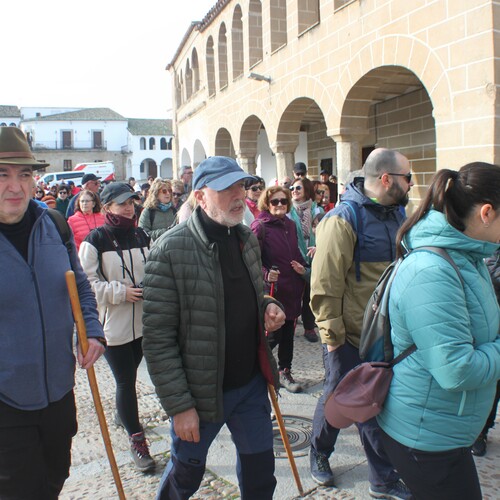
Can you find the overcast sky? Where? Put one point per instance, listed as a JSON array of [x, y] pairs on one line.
[[93, 53]]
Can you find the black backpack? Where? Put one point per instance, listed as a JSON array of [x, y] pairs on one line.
[[375, 340]]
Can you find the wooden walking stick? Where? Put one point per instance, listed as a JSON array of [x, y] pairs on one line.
[[281, 423], [284, 437], [82, 339]]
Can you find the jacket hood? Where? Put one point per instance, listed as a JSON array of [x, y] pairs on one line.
[[434, 230]]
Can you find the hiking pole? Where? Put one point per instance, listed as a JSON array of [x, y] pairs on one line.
[[281, 423], [84, 345]]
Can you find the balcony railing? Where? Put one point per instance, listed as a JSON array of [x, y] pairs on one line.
[[74, 145]]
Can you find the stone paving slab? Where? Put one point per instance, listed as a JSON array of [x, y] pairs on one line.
[[91, 476]]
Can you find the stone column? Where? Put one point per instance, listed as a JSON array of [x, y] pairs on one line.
[[285, 159], [247, 162], [348, 156]]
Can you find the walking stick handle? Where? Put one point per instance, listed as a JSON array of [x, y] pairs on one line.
[[84, 345]]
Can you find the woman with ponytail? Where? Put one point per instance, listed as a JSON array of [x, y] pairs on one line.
[[441, 395], [113, 256]]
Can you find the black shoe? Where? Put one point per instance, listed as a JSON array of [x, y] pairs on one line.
[[311, 335], [320, 468], [393, 491], [479, 447]]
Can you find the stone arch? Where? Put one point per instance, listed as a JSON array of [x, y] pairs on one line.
[[199, 153], [210, 63], [391, 51], [196, 70], [166, 168], [185, 157], [189, 80], [222, 53], [224, 145], [238, 55], [255, 48]]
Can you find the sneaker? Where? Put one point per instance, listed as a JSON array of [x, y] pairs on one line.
[[288, 382], [479, 447], [311, 335], [392, 491], [140, 452], [320, 468]]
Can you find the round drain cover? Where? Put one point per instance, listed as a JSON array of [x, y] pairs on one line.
[[299, 431]]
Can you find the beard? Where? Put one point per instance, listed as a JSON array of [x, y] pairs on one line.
[[228, 218], [399, 195]]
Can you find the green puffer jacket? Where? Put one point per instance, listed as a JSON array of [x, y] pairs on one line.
[[184, 332]]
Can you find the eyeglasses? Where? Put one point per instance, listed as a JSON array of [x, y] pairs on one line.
[[256, 188], [280, 201], [176, 195], [320, 192], [298, 188], [406, 176]]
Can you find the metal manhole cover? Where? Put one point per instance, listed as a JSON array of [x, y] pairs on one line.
[[299, 431]]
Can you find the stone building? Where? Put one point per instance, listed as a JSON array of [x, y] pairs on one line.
[[325, 81]]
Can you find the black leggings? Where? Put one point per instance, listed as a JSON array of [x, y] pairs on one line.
[[443, 475], [124, 360]]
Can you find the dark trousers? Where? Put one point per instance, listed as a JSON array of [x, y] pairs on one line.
[[247, 416], [124, 360], [443, 475], [308, 319], [324, 436], [283, 337], [35, 450]]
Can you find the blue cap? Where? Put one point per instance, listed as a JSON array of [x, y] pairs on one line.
[[218, 173]]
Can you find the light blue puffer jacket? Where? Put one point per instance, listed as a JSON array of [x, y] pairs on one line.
[[441, 395]]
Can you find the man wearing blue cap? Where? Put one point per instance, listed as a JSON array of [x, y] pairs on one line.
[[205, 317]]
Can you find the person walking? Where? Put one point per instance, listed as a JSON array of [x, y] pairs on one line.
[[441, 395], [279, 247], [205, 316], [355, 243], [303, 212], [37, 403], [159, 213], [87, 216], [113, 256]]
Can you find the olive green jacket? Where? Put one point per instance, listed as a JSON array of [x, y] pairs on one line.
[[184, 332]]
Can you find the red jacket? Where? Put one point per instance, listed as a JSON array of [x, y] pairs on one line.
[[81, 224]]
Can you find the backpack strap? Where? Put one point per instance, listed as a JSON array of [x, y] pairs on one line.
[[152, 215], [62, 227], [359, 236]]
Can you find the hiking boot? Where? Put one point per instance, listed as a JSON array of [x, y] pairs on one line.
[[140, 452], [311, 335], [288, 382], [479, 447], [392, 491], [320, 468]]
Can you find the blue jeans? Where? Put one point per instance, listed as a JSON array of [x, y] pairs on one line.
[[324, 436], [247, 416]]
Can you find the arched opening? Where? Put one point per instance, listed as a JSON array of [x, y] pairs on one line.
[[224, 144], [199, 153], [222, 49], [163, 143], [255, 49], [152, 143], [166, 169], [237, 43], [210, 67], [142, 143], [278, 24], [189, 81], [196, 70], [185, 158], [148, 168]]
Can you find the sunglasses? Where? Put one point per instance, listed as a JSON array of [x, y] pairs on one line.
[[320, 192], [63, 192], [256, 188], [39, 192], [298, 188], [280, 201], [164, 191], [176, 195], [406, 176]]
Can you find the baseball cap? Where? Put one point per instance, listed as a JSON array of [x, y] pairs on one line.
[[300, 168], [218, 173], [324, 172], [89, 177], [118, 192]]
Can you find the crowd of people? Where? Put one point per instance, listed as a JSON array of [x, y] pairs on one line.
[[206, 275]]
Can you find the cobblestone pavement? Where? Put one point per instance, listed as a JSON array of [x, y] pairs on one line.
[[91, 476]]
